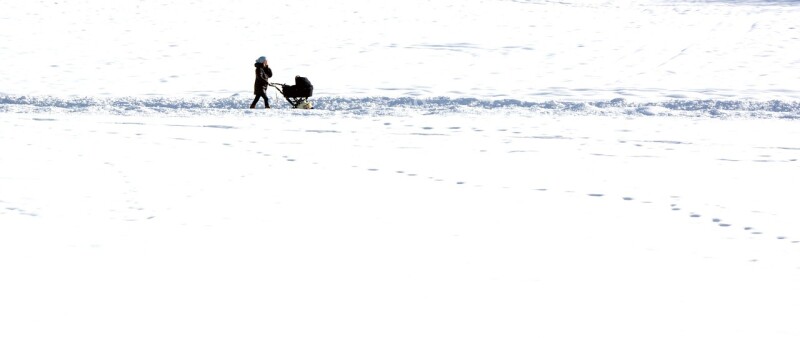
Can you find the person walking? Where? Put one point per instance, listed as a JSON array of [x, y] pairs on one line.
[[263, 73]]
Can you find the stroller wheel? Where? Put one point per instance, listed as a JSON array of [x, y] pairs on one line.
[[304, 105]]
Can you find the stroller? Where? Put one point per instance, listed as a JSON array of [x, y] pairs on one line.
[[297, 95]]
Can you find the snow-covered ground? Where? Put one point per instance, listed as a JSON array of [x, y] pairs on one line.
[[475, 169], [541, 50]]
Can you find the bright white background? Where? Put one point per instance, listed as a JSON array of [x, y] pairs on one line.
[[485, 49], [121, 220]]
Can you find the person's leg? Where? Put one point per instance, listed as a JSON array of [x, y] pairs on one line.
[[266, 100], [253, 105]]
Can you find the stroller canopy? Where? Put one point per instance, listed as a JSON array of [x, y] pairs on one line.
[[302, 88]]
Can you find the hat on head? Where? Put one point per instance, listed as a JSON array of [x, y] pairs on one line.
[[262, 59]]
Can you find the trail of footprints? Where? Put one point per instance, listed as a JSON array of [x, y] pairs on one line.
[[673, 206], [4, 208]]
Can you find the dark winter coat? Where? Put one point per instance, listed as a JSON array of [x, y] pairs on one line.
[[262, 78]]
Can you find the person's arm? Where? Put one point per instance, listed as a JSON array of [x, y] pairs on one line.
[[268, 71]]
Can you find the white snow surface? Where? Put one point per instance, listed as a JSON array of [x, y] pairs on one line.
[[527, 50], [473, 169]]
